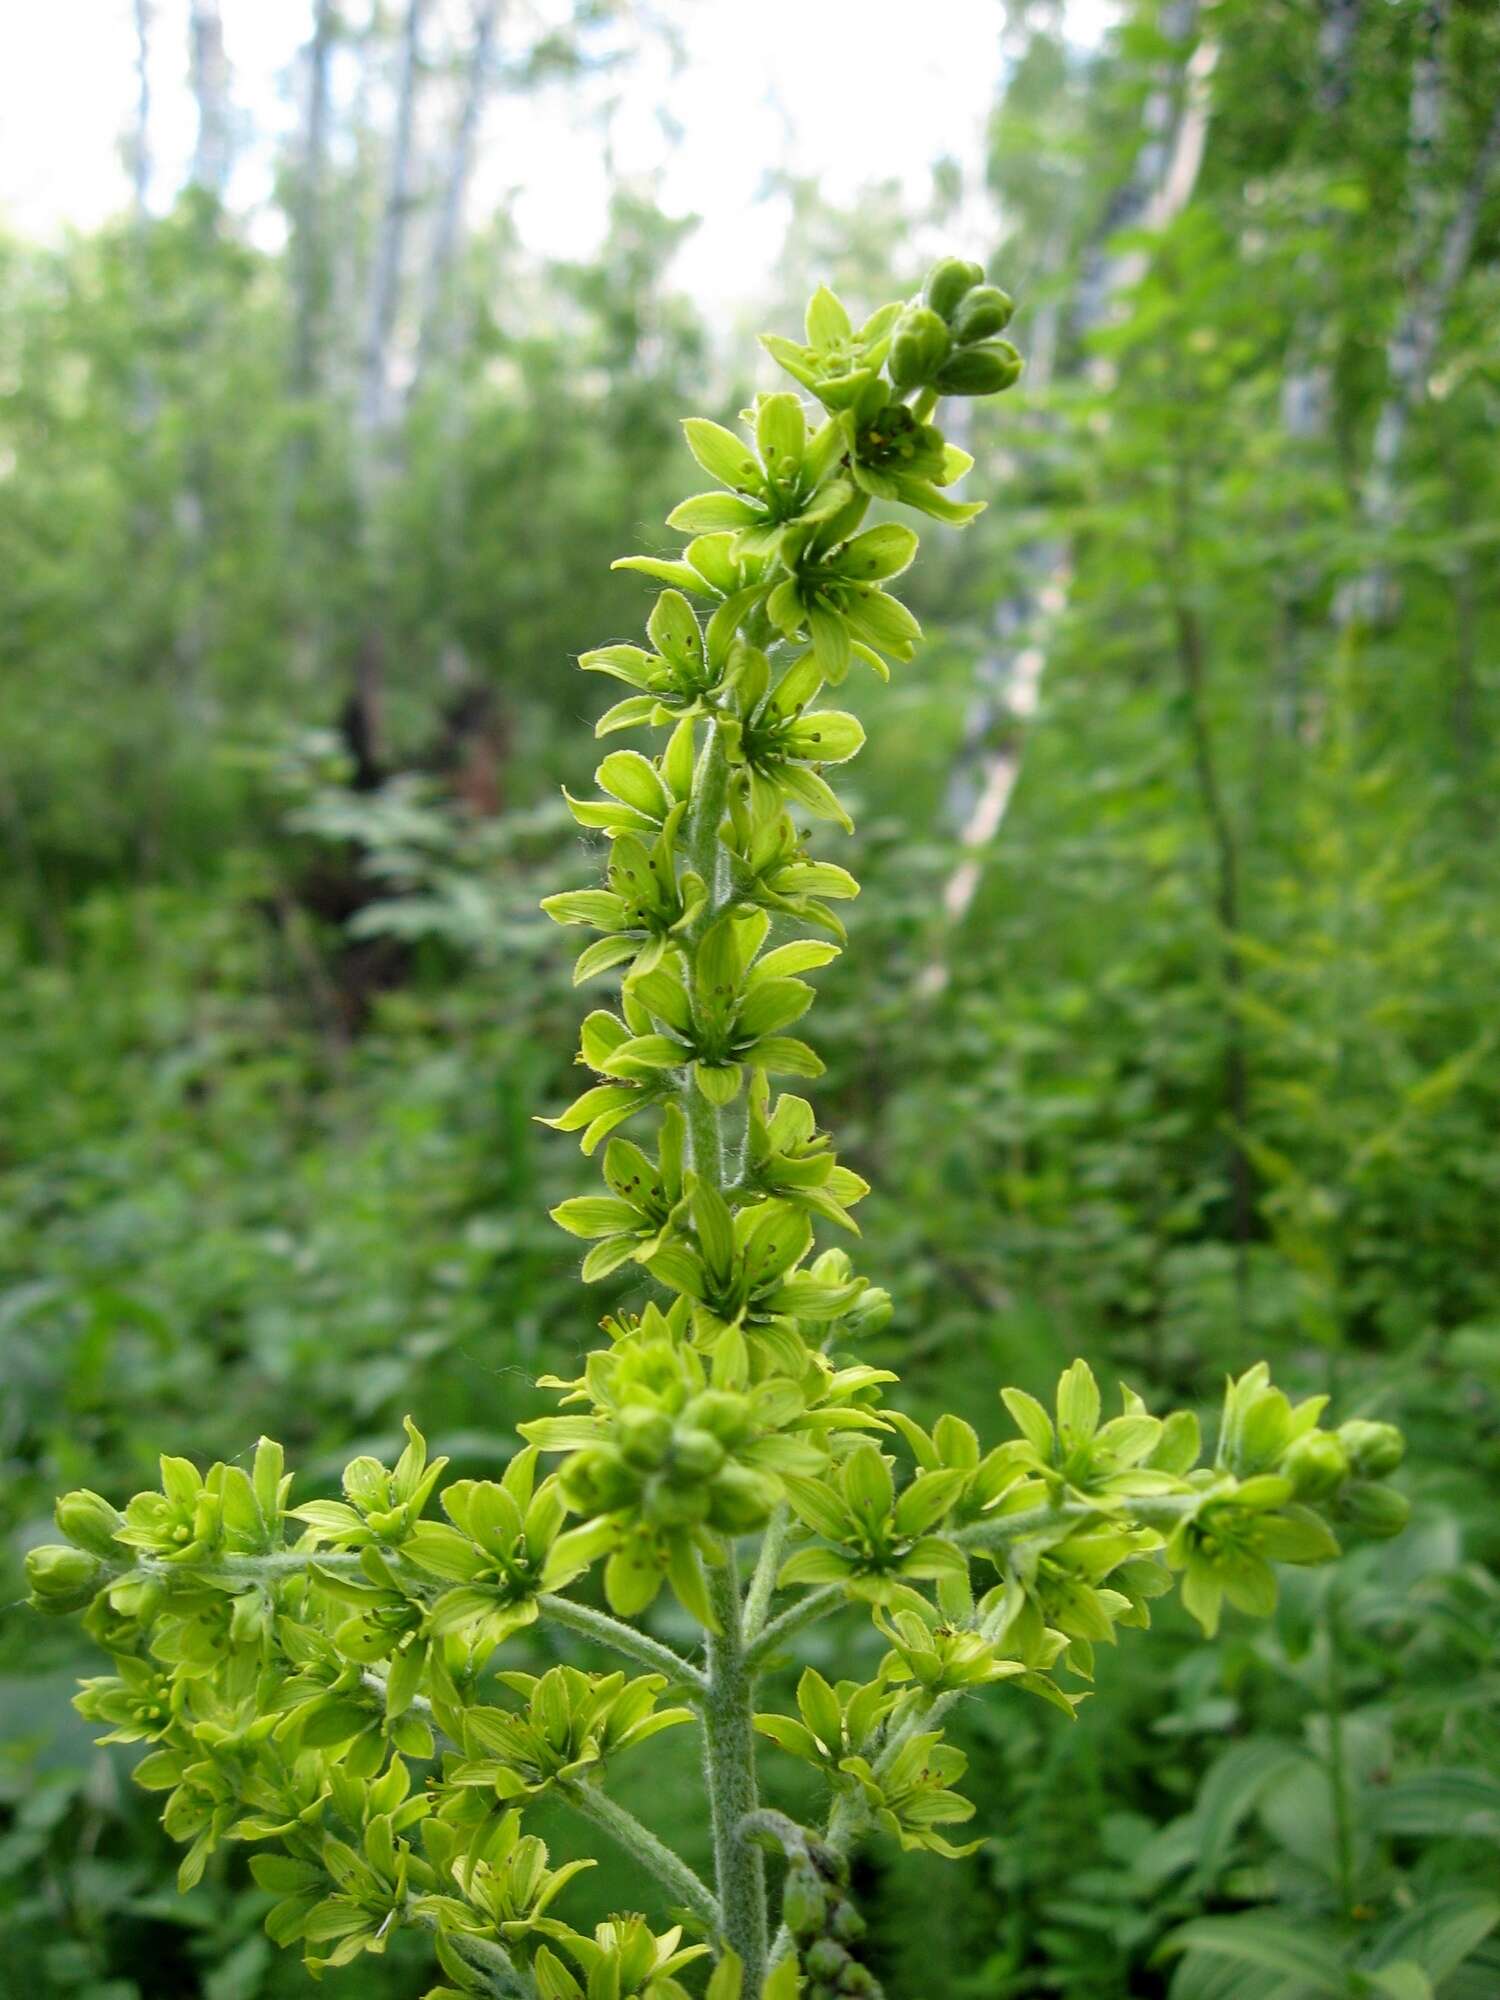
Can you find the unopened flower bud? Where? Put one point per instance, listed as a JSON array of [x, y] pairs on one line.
[[919, 347], [1377, 1511], [1317, 1465], [804, 1903], [696, 1454], [61, 1579], [720, 1411], [1374, 1449], [979, 371], [985, 312], [869, 1313], [847, 1924], [645, 1436], [88, 1519], [948, 282], [669, 1506], [826, 1959], [738, 1500]]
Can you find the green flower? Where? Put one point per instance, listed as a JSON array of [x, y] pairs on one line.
[[495, 1552], [935, 1656], [507, 1886], [733, 1015], [838, 363], [837, 1722], [327, 1704], [571, 1724], [911, 1797], [777, 748], [623, 1958], [1080, 1458], [1227, 1547], [646, 906], [629, 1222], [879, 1540], [139, 1700], [781, 481], [380, 1507], [749, 1297], [772, 868], [833, 594]]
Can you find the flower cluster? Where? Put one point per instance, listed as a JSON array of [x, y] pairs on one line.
[[347, 1683]]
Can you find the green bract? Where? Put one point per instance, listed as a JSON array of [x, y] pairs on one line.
[[291, 1667]]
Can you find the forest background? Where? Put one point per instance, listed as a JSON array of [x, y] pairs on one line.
[[1170, 1033]]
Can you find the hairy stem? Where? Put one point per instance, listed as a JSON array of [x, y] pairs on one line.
[[729, 1752], [644, 1847], [622, 1638], [763, 1582], [806, 1611], [1338, 1770]]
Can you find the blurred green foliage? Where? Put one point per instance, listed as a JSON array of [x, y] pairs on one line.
[[278, 1012]]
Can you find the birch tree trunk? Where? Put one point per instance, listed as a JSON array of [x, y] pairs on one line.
[[208, 68], [139, 145], [1307, 386], [309, 247], [385, 275], [448, 232], [1440, 258], [1160, 185]]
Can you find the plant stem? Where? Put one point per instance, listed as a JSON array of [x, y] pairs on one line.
[[806, 1611], [1338, 1772], [623, 1638], [729, 1755], [763, 1582], [642, 1844], [710, 795]]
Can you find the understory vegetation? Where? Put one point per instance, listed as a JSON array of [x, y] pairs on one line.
[[1163, 1040]]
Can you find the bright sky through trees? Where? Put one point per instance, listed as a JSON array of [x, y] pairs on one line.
[[735, 106]]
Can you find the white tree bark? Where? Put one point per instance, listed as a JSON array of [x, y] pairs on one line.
[[208, 68], [1010, 679], [385, 275], [139, 146], [1440, 259], [459, 166], [309, 247]]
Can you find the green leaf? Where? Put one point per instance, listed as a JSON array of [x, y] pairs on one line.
[[827, 321], [822, 1510], [722, 455], [827, 736], [594, 1215], [707, 511], [876, 554], [792, 1736], [633, 778], [1402, 1981], [674, 631], [1439, 1934], [781, 434], [728, 1978], [1308, 1951]]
